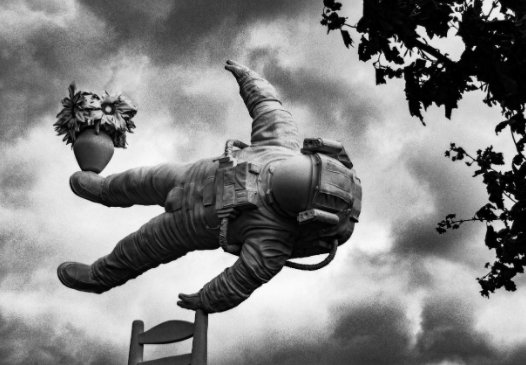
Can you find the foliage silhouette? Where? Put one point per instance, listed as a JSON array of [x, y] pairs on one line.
[[396, 34]]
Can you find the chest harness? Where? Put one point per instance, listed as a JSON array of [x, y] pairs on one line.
[[333, 207]]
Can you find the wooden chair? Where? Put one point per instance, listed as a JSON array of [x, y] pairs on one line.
[[170, 332]]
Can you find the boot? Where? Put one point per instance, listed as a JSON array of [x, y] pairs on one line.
[[87, 185], [78, 276]]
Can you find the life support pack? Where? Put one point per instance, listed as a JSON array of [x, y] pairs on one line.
[[331, 209], [335, 205]]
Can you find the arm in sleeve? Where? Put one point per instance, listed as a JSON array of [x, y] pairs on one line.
[[261, 258], [272, 125]]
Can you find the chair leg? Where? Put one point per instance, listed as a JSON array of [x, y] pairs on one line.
[[199, 343], [136, 349]]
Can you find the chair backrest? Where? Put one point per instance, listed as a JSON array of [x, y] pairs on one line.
[[170, 332]]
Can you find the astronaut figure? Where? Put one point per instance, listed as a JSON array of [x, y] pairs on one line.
[[280, 202]]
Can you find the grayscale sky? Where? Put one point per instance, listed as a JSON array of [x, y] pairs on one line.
[[397, 292]]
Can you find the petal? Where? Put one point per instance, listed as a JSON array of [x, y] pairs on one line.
[[66, 102], [64, 112], [110, 99], [120, 122], [109, 120], [80, 116], [95, 103], [72, 88], [96, 114], [78, 98], [130, 125], [125, 105], [91, 101], [115, 121]]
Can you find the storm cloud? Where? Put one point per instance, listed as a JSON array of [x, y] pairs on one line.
[[42, 342], [332, 102], [175, 32], [376, 333]]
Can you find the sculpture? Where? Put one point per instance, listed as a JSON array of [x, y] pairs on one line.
[[263, 190]]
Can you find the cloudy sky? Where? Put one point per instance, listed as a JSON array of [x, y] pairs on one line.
[[397, 292]]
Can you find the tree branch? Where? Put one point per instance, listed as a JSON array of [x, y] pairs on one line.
[[432, 51], [350, 26]]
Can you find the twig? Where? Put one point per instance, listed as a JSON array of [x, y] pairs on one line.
[[432, 51], [493, 6], [509, 197]]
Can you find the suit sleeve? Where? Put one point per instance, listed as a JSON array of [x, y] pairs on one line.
[[261, 258], [272, 125]]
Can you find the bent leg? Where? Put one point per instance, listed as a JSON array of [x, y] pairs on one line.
[[157, 242]]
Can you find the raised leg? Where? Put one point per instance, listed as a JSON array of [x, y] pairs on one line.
[[148, 185]]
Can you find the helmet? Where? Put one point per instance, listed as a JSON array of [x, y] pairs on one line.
[[292, 183]]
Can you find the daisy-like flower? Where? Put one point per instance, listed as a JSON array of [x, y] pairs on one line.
[[115, 117], [72, 116]]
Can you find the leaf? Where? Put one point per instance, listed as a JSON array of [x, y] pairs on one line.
[[510, 285], [412, 93], [347, 40], [520, 144], [380, 76], [486, 213], [517, 265], [491, 237], [440, 230], [501, 126], [332, 4], [518, 159]]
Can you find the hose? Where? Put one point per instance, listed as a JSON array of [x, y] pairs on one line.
[[236, 250]]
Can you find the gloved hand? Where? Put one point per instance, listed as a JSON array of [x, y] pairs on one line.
[[238, 70], [257, 93], [190, 301]]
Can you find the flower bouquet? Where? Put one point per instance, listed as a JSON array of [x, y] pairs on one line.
[[94, 124]]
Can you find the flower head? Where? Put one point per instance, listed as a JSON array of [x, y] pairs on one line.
[[115, 115], [73, 114]]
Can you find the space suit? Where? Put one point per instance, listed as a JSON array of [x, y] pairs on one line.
[[264, 191]]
